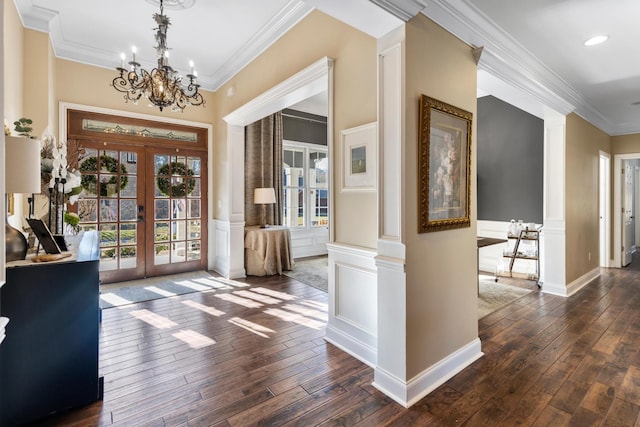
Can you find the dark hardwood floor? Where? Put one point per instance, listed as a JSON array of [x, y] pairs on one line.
[[254, 354]]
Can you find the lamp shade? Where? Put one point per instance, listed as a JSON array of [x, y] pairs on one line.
[[22, 165], [263, 196]]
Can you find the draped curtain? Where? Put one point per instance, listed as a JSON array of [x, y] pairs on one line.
[[263, 168]]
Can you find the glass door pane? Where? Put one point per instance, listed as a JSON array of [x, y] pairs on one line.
[[294, 187], [318, 188], [109, 203], [178, 218]]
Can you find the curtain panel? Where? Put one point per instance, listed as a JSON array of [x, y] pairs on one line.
[[263, 168]]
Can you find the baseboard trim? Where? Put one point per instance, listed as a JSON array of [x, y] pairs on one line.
[[409, 393], [573, 287], [356, 348]]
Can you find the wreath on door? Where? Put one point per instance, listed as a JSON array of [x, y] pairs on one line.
[[177, 169], [108, 163]]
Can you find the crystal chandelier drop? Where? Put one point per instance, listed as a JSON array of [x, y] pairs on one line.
[[162, 86]]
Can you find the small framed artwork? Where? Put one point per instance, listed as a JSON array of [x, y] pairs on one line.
[[444, 165], [359, 158], [10, 205]]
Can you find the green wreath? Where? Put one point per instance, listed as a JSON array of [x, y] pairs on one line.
[[177, 169], [89, 181]]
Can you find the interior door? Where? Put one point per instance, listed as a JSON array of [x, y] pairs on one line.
[[627, 214]]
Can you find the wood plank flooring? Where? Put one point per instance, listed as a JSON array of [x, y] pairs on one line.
[[253, 353]]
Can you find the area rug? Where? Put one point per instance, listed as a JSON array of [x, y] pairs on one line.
[[311, 271], [496, 295], [134, 291]]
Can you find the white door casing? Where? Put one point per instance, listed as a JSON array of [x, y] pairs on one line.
[[627, 213]]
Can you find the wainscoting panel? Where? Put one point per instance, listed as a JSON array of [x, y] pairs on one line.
[[221, 239], [354, 284], [229, 247], [306, 243], [353, 301]]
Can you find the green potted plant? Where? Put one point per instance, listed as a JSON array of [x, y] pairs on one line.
[[23, 127]]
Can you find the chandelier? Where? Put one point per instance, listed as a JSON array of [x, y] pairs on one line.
[[162, 86]]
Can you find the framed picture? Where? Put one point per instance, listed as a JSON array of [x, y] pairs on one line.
[[359, 158], [444, 165], [10, 205]]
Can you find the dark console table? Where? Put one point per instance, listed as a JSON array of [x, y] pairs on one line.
[[49, 358]]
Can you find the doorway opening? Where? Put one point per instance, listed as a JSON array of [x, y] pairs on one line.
[[604, 207], [624, 217], [313, 80]]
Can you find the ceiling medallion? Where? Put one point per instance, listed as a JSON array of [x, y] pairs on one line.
[[174, 4], [162, 86]]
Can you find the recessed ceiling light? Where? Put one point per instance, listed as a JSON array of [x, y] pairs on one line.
[[596, 40]]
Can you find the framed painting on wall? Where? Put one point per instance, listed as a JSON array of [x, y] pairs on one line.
[[359, 158], [444, 166]]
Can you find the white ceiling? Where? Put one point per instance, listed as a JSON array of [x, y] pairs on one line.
[[533, 50]]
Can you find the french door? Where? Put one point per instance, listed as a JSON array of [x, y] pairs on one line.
[[175, 221], [144, 189]]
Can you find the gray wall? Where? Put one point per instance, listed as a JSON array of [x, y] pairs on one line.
[[304, 127], [510, 162]]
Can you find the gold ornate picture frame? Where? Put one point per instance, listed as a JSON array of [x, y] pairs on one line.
[[444, 166]]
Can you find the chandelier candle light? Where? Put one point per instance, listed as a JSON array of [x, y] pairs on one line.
[[162, 86]]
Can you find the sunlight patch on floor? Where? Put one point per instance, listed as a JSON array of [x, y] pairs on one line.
[[276, 294], [193, 339], [114, 299], [192, 285], [153, 319], [207, 309], [231, 282], [306, 311], [216, 284], [315, 304], [251, 327], [295, 318], [159, 291], [238, 300], [258, 297]]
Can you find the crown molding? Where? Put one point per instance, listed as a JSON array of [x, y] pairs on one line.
[[44, 20], [34, 17], [508, 60], [302, 85], [402, 9], [283, 21]]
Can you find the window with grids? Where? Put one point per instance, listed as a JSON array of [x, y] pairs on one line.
[[305, 185]]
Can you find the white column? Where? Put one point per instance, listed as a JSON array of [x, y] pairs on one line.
[[553, 238], [390, 374]]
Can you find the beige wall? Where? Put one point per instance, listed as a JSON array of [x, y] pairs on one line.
[[37, 93], [316, 36], [583, 142], [625, 144], [13, 39], [441, 266]]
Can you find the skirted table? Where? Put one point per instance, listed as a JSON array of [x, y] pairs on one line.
[[267, 251]]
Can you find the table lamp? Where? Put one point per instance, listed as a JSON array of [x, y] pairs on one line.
[[264, 196], [22, 175]]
